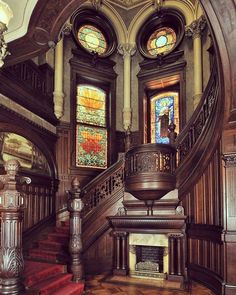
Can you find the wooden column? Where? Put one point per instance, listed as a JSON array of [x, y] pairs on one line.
[[120, 266], [172, 255], [11, 208], [179, 254], [74, 206]]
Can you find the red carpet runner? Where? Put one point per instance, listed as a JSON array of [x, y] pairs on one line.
[[45, 273]]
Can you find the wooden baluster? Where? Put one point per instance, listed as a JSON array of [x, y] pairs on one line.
[[74, 206], [172, 134], [12, 212]]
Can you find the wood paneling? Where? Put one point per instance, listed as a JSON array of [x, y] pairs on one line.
[[203, 206]]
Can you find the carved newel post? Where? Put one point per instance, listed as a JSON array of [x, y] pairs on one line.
[[74, 206], [11, 208]]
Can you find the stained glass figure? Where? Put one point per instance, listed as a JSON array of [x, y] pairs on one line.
[[91, 105], [91, 146], [161, 41], [92, 39], [164, 110]]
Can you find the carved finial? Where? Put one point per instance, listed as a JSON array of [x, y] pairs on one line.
[[196, 27], [96, 4], [172, 134], [75, 183], [12, 167]]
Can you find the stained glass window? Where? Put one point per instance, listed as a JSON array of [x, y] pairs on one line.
[[164, 109], [92, 39], [161, 41], [91, 105], [91, 140]]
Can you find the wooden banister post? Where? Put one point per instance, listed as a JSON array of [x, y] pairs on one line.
[[74, 206], [11, 208]]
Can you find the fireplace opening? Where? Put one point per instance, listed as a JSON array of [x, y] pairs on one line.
[[149, 258]]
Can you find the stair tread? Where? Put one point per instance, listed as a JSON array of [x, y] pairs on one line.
[[51, 283], [70, 289], [35, 271]]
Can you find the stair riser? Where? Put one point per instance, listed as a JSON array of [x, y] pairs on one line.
[[50, 247], [55, 285]]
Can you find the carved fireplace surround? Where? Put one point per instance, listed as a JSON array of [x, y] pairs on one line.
[[164, 232]]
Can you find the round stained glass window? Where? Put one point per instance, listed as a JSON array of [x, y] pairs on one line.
[[92, 39], [161, 41]]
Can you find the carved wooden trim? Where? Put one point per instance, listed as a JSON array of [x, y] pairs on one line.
[[103, 187], [230, 160]]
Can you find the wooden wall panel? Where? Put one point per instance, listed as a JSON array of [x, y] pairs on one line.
[[203, 206], [100, 255]]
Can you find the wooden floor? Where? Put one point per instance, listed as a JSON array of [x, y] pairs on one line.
[[100, 285]]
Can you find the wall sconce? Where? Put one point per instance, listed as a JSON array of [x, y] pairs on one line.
[[5, 15]]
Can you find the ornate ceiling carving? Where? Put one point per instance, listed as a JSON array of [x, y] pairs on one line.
[[127, 4]]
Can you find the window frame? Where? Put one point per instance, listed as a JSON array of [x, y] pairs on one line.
[[101, 75], [106, 91]]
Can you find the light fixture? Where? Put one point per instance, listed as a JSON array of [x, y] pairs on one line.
[[5, 16]]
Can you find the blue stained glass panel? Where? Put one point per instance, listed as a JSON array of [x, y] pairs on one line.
[[162, 114]]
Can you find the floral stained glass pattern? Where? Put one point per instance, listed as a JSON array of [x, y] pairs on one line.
[[92, 39], [91, 144], [91, 147], [164, 110], [161, 41], [91, 105]]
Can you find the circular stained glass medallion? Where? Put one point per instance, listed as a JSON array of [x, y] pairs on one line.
[[161, 41], [92, 39]]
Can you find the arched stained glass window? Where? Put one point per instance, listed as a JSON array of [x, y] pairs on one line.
[[161, 41], [91, 140], [164, 109], [92, 39]]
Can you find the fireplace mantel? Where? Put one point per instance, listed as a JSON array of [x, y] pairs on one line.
[[172, 227], [155, 224]]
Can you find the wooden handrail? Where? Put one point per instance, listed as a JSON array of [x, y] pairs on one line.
[[195, 127]]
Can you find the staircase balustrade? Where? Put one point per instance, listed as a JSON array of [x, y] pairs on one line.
[[103, 188], [198, 123], [12, 212], [74, 206]]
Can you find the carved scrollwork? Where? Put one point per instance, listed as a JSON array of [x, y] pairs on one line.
[[158, 161], [230, 160], [101, 192], [11, 262], [75, 244]]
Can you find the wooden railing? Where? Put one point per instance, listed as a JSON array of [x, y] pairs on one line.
[[39, 201], [99, 191], [33, 85], [200, 120]]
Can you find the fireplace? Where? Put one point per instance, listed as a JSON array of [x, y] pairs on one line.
[[148, 256]]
